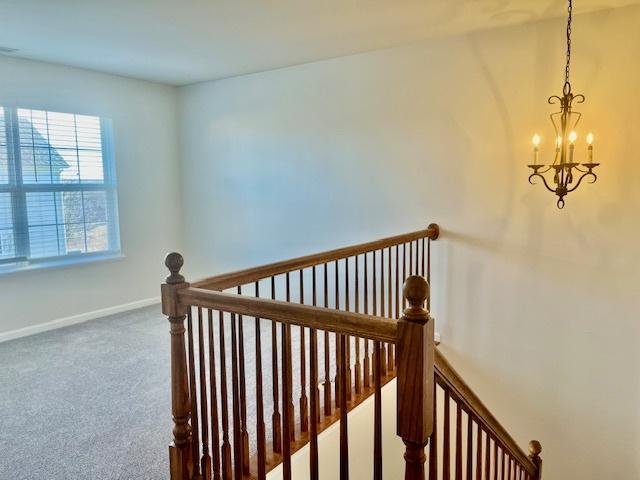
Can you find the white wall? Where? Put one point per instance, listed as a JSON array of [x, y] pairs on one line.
[[145, 126], [538, 308]]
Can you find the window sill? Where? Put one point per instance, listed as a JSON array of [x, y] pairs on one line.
[[59, 263]]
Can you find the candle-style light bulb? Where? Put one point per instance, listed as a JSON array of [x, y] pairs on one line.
[[590, 148], [536, 144], [536, 140], [572, 140]]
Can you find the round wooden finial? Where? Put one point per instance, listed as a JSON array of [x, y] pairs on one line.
[[535, 448], [174, 263], [435, 228], [416, 291]]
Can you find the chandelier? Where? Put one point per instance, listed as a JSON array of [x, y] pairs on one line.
[[566, 173]]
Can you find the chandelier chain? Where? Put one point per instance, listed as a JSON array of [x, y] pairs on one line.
[[570, 12]]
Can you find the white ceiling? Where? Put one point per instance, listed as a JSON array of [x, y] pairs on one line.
[[186, 41]]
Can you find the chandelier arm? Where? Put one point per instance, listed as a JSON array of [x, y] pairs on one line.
[[544, 180], [546, 169], [588, 174]]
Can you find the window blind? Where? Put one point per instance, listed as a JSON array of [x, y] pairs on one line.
[[58, 197]]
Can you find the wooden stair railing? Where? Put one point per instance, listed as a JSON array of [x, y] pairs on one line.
[[214, 437], [489, 452]]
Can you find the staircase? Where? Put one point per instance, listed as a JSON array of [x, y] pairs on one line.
[[265, 359]]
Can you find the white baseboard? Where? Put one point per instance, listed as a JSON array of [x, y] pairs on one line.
[[74, 319]]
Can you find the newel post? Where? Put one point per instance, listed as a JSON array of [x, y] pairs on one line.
[[180, 449], [535, 449], [415, 377]]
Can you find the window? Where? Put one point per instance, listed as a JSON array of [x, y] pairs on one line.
[[57, 189]]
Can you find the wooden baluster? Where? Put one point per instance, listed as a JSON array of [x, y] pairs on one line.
[[344, 437], [215, 434], [244, 434], [502, 466], [469, 446], [390, 355], [304, 408], [433, 441], [479, 454], [327, 348], [367, 364], [289, 378], [422, 259], [383, 347], [260, 427], [458, 439], [337, 337], [416, 260], [289, 398], [347, 350], [358, 366], [195, 441], [404, 273], [534, 454], [315, 390], [495, 459], [509, 467], [411, 272], [286, 394], [276, 419], [226, 446], [429, 268], [374, 284], [180, 448], [377, 420], [315, 411], [397, 291], [487, 458], [235, 402], [205, 460], [446, 458], [416, 408]]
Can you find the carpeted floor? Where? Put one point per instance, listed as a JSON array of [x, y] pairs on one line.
[[92, 401], [87, 402]]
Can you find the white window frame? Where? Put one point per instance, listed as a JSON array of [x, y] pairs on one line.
[[18, 190]]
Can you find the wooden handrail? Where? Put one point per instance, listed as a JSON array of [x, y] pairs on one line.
[[242, 277], [338, 321], [449, 379]]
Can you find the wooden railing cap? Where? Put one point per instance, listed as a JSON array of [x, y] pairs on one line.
[[416, 291], [434, 230], [174, 262], [535, 448]]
